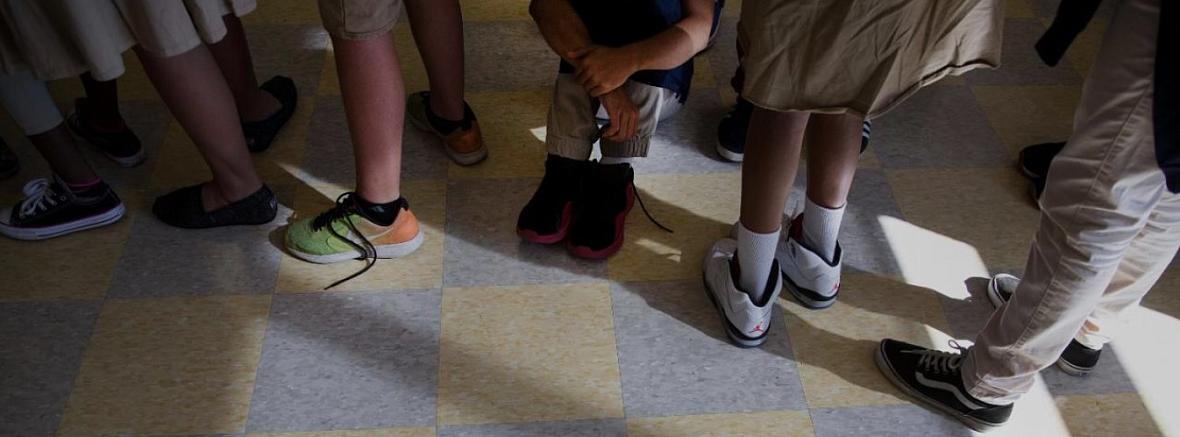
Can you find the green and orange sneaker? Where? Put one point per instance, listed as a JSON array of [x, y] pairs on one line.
[[462, 140], [344, 233]]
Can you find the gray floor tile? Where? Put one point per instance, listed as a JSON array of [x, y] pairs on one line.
[[507, 55], [349, 360], [587, 428], [722, 55], [292, 50], [329, 158], [159, 260], [482, 247], [685, 143], [675, 359], [899, 420], [1020, 64], [939, 127], [41, 346], [149, 120]]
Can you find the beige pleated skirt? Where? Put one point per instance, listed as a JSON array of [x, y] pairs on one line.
[[861, 56], [55, 39]]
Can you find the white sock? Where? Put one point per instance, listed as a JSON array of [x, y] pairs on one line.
[[755, 257], [614, 160], [821, 228]]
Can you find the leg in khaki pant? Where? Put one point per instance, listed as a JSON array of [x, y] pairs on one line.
[[1108, 225]]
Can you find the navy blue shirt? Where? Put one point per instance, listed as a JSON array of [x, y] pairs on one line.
[[615, 23]]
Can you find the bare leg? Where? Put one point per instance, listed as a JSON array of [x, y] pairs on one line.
[[768, 173], [438, 32], [195, 91], [233, 58], [374, 102], [832, 154], [102, 104], [58, 148]]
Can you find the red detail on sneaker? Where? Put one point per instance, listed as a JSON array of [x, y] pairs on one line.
[[836, 287], [606, 252], [795, 232], [757, 328], [556, 237]]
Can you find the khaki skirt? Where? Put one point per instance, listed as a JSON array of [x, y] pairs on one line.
[[55, 39], [861, 56]]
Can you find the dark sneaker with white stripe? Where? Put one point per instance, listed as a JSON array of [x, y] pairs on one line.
[[936, 379], [1076, 360], [50, 209]]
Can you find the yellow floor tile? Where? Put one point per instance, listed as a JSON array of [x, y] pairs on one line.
[[495, 10], [1017, 9], [413, 72], [988, 209], [280, 164], [733, 8], [835, 347], [388, 432], [702, 76], [40, 270], [776, 423], [1026, 115], [169, 366], [1084, 49], [1107, 415], [422, 269], [179, 163], [283, 13], [700, 209], [528, 354], [513, 125]]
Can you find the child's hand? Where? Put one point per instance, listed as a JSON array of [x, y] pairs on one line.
[[602, 69], [624, 117]]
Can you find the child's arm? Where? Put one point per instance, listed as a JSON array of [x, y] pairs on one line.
[[603, 69], [561, 26]]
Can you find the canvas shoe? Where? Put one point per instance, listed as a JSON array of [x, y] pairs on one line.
[[260, 134], [746, 323], [50, 209], [936, 379], [1076, 360], [811, 279], [123, 146], [464, 144]]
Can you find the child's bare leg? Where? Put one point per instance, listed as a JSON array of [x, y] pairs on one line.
[[438, 32], [833, 151], [374, 101]]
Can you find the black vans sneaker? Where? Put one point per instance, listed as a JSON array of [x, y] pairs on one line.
[[1076, 360], [9, 164], [50, 209], [936, 379], [601, 212], [123, 146], [546, 218]]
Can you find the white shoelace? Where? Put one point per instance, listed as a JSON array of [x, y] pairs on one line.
[[939, 361], [38, 196]]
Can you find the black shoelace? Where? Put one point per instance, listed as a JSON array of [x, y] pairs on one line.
[[941, 362], [345, 207], [646, 213]]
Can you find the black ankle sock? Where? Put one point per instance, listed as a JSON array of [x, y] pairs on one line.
[[445, 126], [382, 214]]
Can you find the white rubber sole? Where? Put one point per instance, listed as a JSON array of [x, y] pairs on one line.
[[386, 251], [729, 156], [993, 290], [464, 159], [891, 375], [45, 233]]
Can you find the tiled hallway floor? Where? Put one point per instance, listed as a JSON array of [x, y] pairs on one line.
[[139, 329]]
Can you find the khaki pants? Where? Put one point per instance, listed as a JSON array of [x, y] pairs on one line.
[[573, 125], [1108, 226]]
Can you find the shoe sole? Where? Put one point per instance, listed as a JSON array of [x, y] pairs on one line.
[[729, 156], [1071, 369], [736, 338], [604, 253], [891, 374], [464, 159], [554, 238], [386, 251], [124, 161], [45, 233], [807, 302]]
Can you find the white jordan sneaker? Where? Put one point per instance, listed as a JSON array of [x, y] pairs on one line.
[[813, 280], [746, 323]]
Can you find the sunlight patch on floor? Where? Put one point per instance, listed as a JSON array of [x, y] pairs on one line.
[[932, 260]]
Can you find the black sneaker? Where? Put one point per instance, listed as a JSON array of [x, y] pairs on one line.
[[936, 379], [731, 133], [9, 164], [50, 209], [259, 134], [183, 208], [1034, 160], [866, 132], [1076, 360], [1036, 188], [123, 146], [601, 210], [546, 218]]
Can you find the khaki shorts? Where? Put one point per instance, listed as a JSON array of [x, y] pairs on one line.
[[359, 19]]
